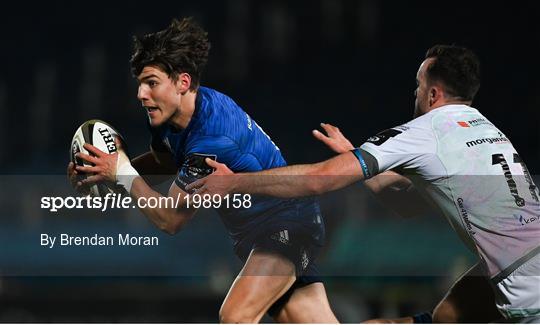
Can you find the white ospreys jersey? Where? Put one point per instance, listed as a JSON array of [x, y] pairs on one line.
[[471, 171]]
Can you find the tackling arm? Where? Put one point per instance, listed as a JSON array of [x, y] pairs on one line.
[[285, 182]]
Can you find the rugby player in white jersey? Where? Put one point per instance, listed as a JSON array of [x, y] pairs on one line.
[[458, 161]]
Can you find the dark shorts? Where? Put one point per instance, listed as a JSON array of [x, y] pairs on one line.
[[298, 239]]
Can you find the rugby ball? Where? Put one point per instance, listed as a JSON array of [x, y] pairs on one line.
[[101, 135]]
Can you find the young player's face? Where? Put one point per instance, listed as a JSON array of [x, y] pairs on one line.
[[158, 95], [421, 104]]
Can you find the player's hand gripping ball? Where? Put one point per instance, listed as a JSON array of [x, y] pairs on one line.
[[104, 137]]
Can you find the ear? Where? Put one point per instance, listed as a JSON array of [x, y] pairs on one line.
[[183, 83], [435, 95]]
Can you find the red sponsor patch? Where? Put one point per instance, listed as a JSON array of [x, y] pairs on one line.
[[463, 124]]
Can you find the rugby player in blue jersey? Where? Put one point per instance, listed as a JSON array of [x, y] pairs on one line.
[[277, 239]]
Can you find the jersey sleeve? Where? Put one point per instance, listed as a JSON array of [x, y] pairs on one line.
[[409, 148]]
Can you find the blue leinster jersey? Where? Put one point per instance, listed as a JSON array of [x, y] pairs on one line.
[[220, 129]]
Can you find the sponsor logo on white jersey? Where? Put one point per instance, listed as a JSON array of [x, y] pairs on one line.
[[475, 122], [465, 216], [497, 140], [526, 220]]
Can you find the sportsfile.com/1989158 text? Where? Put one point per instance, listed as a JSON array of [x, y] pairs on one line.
[[122, 201]]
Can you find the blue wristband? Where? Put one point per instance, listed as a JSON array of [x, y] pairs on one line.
[[363, 164]]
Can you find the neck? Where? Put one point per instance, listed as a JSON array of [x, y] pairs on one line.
[[184, 112], [448, 102]]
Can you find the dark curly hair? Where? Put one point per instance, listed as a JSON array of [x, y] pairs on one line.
[[180, 48], [457, 68]]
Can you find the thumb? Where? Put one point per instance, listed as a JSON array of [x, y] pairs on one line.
[[212, 163]]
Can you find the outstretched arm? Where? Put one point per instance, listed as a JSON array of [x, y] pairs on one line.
[[286, 182]]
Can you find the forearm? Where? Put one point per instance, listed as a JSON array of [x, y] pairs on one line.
[[170, 215], [302, 180], [291, 181]]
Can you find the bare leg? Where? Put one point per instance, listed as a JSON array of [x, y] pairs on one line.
[[264, 278], [308, 304]]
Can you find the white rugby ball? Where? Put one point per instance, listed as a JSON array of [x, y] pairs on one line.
[[101, 135]]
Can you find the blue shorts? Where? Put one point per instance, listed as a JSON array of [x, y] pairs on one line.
[[296, 234]]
